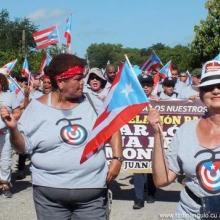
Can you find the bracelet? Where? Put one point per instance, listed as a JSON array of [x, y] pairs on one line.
[[118, 158]]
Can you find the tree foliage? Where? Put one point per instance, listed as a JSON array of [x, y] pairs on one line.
[[99, 54], [11, 32], [206, 44], [11, 45]]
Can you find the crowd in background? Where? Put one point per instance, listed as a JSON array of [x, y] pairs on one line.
[[97, 83]]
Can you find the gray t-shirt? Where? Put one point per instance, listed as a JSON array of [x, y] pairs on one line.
[[188, 92], [200, 165], [164, 96], [56, 139], [8, 99]]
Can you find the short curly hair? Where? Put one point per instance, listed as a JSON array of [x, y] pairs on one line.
[[61, 63]]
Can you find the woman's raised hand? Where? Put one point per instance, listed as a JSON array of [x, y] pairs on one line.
[[8, 117]]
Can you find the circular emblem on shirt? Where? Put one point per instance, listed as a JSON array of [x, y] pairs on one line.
[[208, 172], [73, 133]]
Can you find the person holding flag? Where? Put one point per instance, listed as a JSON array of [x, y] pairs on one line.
[[193, 151], [64, 188]]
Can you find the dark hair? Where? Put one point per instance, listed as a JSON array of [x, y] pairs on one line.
[[4, 82], [21, 79], [169, 82], [61, 63], [146, 80]]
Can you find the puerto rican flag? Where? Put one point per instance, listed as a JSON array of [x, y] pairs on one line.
[[166, 70], [46, 58], [125, 99], [13, 85], [9, 66], [67, 33], [25, 69], [46, 37], [152, 62]]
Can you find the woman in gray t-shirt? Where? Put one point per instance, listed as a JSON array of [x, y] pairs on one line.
[[53, 130], [194, 151]]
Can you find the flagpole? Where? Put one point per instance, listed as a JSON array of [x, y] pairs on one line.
[[164, 143], [129, 64], [149, 106]]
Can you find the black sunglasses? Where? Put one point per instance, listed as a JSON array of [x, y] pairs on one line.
[[210, 88], [92, 77]]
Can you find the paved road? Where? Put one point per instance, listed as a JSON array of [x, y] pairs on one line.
[[20, 207]]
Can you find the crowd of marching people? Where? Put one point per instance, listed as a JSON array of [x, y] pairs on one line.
[[68, 89]]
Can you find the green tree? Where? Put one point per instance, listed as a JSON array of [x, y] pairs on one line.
[[11, 32], [99, 54], [206, 44]]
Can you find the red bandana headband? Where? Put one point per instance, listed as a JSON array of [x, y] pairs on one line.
[[70, 73]]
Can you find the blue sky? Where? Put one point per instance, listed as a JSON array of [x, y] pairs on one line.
[[132, 23]]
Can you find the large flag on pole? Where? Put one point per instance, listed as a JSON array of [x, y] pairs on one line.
[[125, 99], [46, 37], [9, 66], [67, 33], [152, 62]]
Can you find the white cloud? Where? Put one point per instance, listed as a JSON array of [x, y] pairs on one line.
[[43, 14]]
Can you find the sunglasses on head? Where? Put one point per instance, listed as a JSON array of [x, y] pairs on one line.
[[210, 88]]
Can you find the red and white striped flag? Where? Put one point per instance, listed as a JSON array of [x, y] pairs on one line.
[[152, 62], [46, 37]]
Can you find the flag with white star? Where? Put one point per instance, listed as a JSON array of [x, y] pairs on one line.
[[126, 99]]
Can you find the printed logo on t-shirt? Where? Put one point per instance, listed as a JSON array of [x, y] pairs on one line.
[[72, 133], [208, 172]]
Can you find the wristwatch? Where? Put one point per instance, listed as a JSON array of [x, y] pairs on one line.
[[118, 158]]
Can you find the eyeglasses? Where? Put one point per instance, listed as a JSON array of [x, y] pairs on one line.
[[210, 88], [92, 77]]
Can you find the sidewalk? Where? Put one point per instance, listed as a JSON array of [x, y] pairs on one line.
[[21, 207]]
